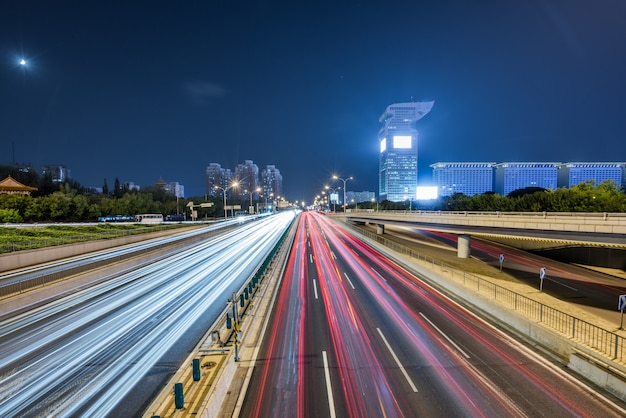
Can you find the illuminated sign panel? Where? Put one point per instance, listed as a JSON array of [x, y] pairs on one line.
[[402, 141], [383, 144], [426, 192]]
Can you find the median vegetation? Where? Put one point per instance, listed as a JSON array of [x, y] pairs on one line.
[[20, 238]]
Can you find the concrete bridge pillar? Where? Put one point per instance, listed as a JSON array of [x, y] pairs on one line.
[[463, 246], [380, 229]]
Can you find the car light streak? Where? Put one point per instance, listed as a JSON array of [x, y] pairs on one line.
[[89, 349], [282, 375], [461, 366]]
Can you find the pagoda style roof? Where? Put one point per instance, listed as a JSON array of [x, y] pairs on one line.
[[11, 186]]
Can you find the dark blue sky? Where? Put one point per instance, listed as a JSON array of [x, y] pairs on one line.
[[145, 89]]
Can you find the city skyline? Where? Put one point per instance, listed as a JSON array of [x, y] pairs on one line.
[[155, 89]]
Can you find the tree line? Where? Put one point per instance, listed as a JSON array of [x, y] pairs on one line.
[[583, 197], [72, 202]]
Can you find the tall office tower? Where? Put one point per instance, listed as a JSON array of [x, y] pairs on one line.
[[570, 174], [514, 176], [214, 177], [58, 173], [247, 175], [466, 178], [397, 170], [272, 181]]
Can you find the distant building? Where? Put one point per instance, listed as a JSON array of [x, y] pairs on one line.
[[467, 178], [271, 181], [397, 171], [11, 186], [514, 176], [247, 174], [175, 188], [58, 173], [214, 177], [571, 174], [129, 185], [359, 197]]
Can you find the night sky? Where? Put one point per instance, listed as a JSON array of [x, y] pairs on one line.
[[145, 89]]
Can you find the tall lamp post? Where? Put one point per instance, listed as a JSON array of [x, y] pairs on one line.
[[234, 184], [344, 189], [334, 190], [250, 208]]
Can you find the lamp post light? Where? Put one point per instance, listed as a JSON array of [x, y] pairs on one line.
[[250, 208], [344, 189], [334, 190], [233, 184]]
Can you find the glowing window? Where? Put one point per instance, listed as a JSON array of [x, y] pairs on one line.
[[383, 145], [402, 141]]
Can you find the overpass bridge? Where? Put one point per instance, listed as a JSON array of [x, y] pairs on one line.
[[525, 230]]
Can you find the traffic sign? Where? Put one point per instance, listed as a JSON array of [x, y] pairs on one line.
[[542, 272], [621, 305]]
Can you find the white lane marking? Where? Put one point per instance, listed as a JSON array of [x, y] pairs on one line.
[[311, 258], [315, 288], [406, 375], [445, 336], [347, 278], [329, 390], [379, 275]]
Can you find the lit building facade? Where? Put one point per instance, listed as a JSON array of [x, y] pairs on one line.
[[58, 173], [175, 188], [467, 178], [359, 197], [397, 171], [272, 181], [217, 176], [247, 175], [571, 174], [514, 176]]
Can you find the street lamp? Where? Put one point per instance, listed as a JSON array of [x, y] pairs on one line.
[[250, 208], [344, 189], [334, 190], [233, 184]]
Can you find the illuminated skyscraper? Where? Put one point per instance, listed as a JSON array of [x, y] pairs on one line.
[[397, 171]]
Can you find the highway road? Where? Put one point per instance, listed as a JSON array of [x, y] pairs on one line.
[[108, 349], [590, 290], [353, 335]]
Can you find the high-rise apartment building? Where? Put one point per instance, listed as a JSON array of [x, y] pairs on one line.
[[397, 171], [272, 181], [467, 178], [513, 176], [570, 174], [217, 176], [247, 175]]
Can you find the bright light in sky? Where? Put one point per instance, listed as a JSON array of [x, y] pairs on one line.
[[22, 62]]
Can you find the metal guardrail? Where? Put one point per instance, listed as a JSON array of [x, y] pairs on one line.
[[607, 343]]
